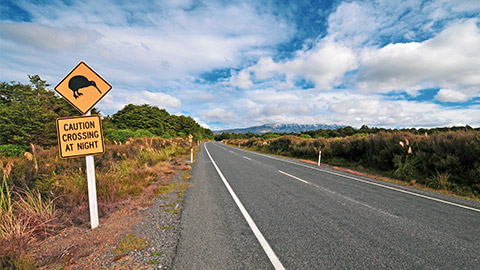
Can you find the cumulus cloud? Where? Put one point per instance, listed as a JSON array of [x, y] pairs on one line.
[[160, 100], [324, 65], [450, 95], [400, 113], [450, 59], [241, 80], [201, 123], [219, 114]]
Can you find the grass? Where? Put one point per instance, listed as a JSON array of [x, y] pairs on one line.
[[166, 227], [131, 243], [20, 220], [166, 188], [156, 253], [31, 213], [154, 261]]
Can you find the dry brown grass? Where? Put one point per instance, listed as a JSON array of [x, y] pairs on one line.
[[50, 193]]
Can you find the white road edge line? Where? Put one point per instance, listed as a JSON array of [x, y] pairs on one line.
[[338, 194], [371, 183], [266, 247], [296, 178]]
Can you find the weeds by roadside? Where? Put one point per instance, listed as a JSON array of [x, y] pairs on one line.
[[40, 193]]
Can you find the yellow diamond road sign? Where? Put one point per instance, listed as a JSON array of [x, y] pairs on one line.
[[80, 136], [83, 88]]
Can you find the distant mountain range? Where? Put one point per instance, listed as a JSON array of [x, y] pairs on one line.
[[279, 128]]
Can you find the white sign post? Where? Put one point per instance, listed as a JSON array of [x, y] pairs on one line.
[[92, 190], [319, 157]]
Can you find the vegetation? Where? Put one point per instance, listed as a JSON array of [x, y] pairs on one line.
[[41, 193], [28, 116], [448, 160], [131, 243], [340, 132], [149, 121]]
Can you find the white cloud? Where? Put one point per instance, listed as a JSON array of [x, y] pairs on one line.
[[241, 80], [451, 59], [286, 108], [377, 112], [324, 65], [205, 97], [201, 123], [46, 37], [360, 23], [160, 100], [450, 95], [158, 41], [219, 114]]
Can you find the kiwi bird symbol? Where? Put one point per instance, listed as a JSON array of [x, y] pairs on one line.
[[78, 82]]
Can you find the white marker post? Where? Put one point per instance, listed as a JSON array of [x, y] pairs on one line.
[[319, 157], [191, 154], [92, 189]]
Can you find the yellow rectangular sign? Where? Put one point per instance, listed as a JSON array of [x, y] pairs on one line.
[[80, 136]]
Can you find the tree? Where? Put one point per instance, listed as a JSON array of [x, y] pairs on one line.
[[144, 116], [157, 121], [28, 113]]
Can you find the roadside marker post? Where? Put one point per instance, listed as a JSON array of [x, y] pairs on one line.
[[319, 157], [190, 140], [83, 136]]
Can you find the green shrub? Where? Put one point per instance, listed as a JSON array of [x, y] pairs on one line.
[[11, 150], [142, 133], [119, 134]]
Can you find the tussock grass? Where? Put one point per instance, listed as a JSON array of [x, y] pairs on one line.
[[41, 193], [23, 220]]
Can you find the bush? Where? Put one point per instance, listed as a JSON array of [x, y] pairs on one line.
[[142, 133], [11, 150], [120, 135]]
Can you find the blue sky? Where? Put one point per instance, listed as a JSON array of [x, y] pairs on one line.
[[241, 63]]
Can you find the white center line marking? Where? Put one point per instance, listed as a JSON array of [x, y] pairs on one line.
[[247, 158], [266, 247], [338, 194], [369, 182]]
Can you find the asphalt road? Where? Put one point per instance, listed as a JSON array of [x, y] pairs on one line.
[[317, 218]]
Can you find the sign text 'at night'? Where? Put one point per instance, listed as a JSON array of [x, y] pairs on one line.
[[80, 136]]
